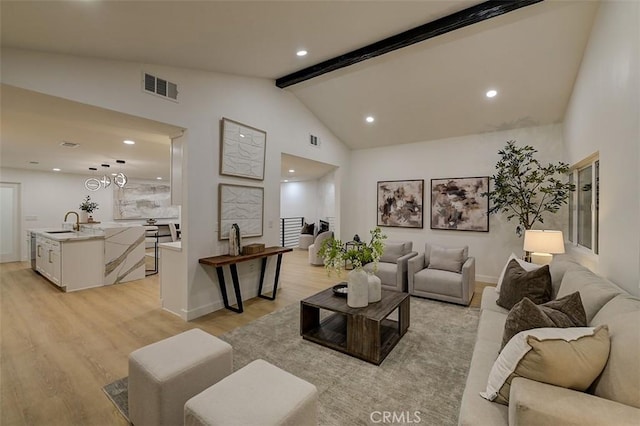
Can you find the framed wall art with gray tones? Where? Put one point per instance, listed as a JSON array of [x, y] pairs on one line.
[[400, 203], [457, 204], [243, 205], [142, 201], [242, 150]]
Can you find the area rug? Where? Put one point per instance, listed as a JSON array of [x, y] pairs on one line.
[[118, 393], [420, 382]]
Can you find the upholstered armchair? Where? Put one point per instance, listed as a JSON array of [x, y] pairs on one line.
[[314, 248], [392, 267], [447, 274], [308, 235]]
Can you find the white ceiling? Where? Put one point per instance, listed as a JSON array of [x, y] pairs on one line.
[[433, 89]]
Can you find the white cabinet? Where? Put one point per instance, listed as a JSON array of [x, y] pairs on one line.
[[72, 265]]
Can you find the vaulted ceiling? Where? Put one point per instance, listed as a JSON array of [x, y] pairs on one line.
[[430, 90]]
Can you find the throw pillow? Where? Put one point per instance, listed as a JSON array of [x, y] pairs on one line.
[[525, 265], [446, 259], [567, 357], [519, 283], [307, 228], [526, 315], [391, 252]]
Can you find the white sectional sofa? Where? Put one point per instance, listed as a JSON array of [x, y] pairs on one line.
[[613, 399]]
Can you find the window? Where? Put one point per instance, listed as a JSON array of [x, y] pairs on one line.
[[584, 204]]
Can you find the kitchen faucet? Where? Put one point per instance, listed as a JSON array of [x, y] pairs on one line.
[[76, 227]]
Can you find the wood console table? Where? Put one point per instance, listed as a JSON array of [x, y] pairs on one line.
[[219, 261]]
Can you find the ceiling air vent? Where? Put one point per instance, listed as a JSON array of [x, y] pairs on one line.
[[314, 141], [69, 144], [160, 87]]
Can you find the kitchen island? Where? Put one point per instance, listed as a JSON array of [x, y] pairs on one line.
[[97, 255]]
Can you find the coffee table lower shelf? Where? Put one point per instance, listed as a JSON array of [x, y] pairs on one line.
[[332, 333]]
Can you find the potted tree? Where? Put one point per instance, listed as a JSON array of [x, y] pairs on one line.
[[525, 189], [362, 287]]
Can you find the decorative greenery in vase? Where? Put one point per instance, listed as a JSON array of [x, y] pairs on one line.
[[525, 189], [335, 255], [88, 206]]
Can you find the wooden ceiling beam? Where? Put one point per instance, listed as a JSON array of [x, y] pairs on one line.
[[461, 19]]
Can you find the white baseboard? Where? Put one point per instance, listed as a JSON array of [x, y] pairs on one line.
[[191, 314], [487, 279]]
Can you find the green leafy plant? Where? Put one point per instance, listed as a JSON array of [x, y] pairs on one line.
[[88, 205], [335, 255], [525, 189]]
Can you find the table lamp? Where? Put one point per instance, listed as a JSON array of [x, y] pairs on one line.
[[543, 245]]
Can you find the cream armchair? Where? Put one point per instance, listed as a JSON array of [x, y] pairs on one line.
[[392, 267], [443, 273], [314, 248]]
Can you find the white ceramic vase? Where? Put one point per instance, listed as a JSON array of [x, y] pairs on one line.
[[375, 288], [358, 288], [84, 216]]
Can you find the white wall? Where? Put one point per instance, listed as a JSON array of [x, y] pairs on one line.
[[327, 196], [204, 99], [299, 199], [467, 156], [604, 115]]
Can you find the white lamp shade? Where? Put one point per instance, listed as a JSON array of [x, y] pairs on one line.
[[543, 241]]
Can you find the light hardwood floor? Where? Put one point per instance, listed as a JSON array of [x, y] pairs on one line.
[[59, 349]]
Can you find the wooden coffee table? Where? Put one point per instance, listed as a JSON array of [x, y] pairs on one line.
[[365, 333]]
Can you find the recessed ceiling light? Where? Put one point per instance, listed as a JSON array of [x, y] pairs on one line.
[[129, 142], [241, 135], [56, 169], [370, 119], [301, 52], [291, 171], [286, 180], [114, 174], [491, 93], [159, 178]]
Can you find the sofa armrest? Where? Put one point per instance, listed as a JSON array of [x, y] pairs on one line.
[[533, 403], [402, 268], [414, 265], [468, 279]]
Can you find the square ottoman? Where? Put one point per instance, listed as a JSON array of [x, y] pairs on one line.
[[165, 374], [257, 394]]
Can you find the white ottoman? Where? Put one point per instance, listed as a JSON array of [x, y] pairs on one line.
[[165, 374], [257, 394]]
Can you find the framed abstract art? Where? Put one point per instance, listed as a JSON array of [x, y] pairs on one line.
[[400, 203], [457, 204]]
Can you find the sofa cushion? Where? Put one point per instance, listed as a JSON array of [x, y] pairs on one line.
[[525, 265], [594, 290], [392, 252], [620, 379], [427, 253], [526, 315], [560, 264], [446, 259], [519, 283], [436, 281], [488, 301], [567, 357]]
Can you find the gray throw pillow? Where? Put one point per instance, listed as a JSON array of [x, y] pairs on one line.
[[565, 312], [307, 228], [392, 252], [518, 284], [446, 259]]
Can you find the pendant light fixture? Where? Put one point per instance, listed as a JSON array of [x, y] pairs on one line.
[[120, 179], [92, 184], [106, 180]]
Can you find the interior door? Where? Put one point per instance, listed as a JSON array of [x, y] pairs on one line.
[[9, 222]]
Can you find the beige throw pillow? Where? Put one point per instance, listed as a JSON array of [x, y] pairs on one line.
[[446, 259], [568, 357]]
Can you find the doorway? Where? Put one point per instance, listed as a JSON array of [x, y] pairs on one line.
[[9, 222]]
